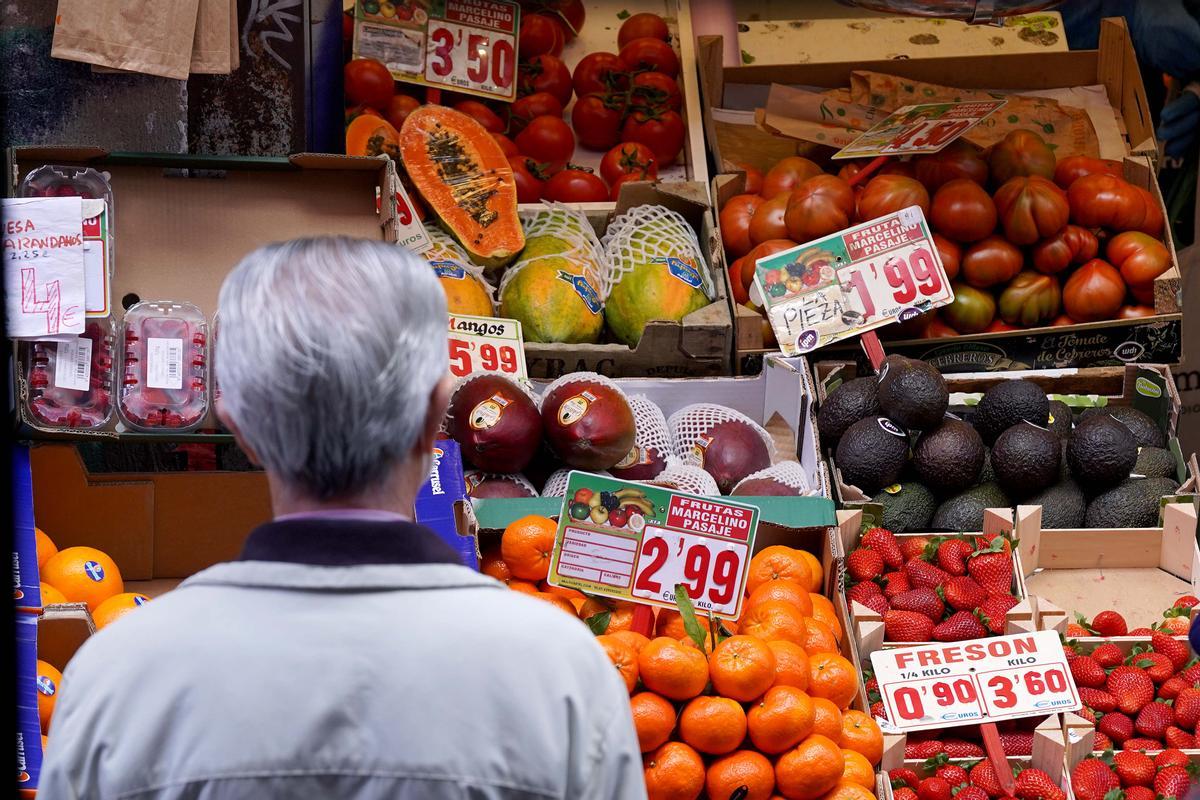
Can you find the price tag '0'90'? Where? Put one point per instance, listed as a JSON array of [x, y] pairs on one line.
[[486, 344]]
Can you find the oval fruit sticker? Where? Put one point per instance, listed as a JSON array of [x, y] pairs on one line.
[[1147, 388]]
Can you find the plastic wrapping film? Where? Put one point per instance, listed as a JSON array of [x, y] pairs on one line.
[[789, 473], [451, 263], [691, 422], [70, 382], [473, 477], [685, 478], [164, 366], [556, 484], [647, 233]]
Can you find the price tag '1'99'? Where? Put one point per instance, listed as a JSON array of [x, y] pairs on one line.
[[486, 344]]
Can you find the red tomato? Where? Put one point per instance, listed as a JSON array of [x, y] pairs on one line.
[[575, 185], [821, 205], [347, 26], [740, 295], [1061, 320], [540, 34], [661, 131], [368, 83], [507, 145], [851, 168], [760, 251], [1100, 200], [950, 253], [936, 329], [1154, 220], [963, 211], [1094, 292], [1073, 167], [547, 139], [971, 311], [489, 119], [538, 104], [1000, 326], [398, 109], [1071, 245], [650, 54], [884, 194], [596, 119], [1020, 153], [599, 73], [1031, 208], [735, 223], [754, 177], [991, 262], [1135, 312], [768, 221], [959, 159], [787, 174], [1141, 259], [529, 179], [546, 73], [655, 90], [628, 177], [570, 12], [640, 26], [1031, 299], [625, 158]]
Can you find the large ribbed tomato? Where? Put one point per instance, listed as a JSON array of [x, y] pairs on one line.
[[1031, 299], [951, 254], [1136, 312], [1094, 292], [1141, 259], [1100, 200], [1071, 245], [735, 223], [972, 310], [1020, 153], [1154, 220], [884, 194], [963, 211], [991, 262], [767, 248], [959, 159], [822, 205], [787, 174], [1073, 167], [1031, 208]]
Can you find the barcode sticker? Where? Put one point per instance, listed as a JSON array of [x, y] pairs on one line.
[[73, 365], [164, 363]]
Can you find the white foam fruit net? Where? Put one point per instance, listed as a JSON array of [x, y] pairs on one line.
[[593, 377], [691, 422], [558, 231], [644, 234], [556, 484], [685, 478], [449, 260], [789, 473], [651, 425], [473, 477]]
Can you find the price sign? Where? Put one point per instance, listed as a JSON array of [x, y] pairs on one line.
[[465, 45], [486, 344], [982, 680], [411, 233], [919, 129], [878, 272], [638, 542]]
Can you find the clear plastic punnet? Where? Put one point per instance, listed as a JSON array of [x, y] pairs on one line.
[[165, 371], [53, 180], [70, 381]]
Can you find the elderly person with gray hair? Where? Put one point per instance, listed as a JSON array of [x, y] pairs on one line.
[[346, 653]]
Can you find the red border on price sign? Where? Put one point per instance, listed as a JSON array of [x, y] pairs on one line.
[[982, 680]]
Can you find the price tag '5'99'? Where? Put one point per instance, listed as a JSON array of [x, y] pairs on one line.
[[486, 344]]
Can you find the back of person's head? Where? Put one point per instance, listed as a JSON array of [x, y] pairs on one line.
[[328, 351]]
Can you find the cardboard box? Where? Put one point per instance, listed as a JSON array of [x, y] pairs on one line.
[[442, 504]]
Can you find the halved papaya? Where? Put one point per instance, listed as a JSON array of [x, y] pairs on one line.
[[466, 181], [370, 135]]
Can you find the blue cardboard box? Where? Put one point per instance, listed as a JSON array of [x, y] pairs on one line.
[[27, 591], [29, 729], [442, 504]]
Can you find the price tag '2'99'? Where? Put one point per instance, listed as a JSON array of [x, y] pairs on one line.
[[486, 344]]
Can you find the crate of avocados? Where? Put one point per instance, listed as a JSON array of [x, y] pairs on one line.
[[926, 453]]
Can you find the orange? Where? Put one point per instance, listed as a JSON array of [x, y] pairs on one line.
[[49, 681], [653, 719], [861, 735], [780, 589], [818, 638], [791, 664], [815, 570], [634, 640], [810, 770], [524, 587], [492, 563], [672, 669], [831, 676], [620, 613], [742, 667], [556, 601], [116, 607], [705, 648], [670, 623], [623, 657], [775, 562], [745, 768], [828, 719], [824, 611], [857, 769], [847, 789], [526, 545], [45, 547], [774, 619], [570, 594], [713, 725], [781, 719], [51, 596], [83, 575], [45, 741], [673, 772]]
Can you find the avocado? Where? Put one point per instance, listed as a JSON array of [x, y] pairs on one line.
[[1008, 403], [1026, 459], [1061, 419], [1101, 453], [872, 453], [1064, 472], [1145, 431], [964, 512], [1063, 505], [906, 507], [912, 393], [949, 457], [1154, 462], [844, 406], [1132, 504]]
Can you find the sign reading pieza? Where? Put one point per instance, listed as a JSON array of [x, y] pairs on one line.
[[983, 680]]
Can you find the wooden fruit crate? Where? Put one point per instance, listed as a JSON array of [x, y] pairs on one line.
[[1049, 752]]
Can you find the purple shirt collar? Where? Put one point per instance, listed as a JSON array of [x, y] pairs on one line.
[[363, 514]]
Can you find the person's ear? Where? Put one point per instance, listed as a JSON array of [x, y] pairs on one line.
[[439, 399], [227, 421]]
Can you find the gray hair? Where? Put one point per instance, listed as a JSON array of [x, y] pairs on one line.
[[327, 353]]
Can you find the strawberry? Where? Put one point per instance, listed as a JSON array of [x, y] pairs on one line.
[[1101, 743], [1176, 621], [970, 792], [1187, 708], [1179, 738], [1186, 601], [1134, 769], [1157, 665], [1139, 793], [1172, 782], [1191, 675], [864, 565], [1108, 655], [958, 748], [1091, 779], [934, 789], [1097, 700], [1109, 623], [1074, 629], [952, 774], [907, 626], [993, 611], [883, 541], [904, 793], [1115, 726], [922, 573], [960, 626], [913, 546], [1173, 649], [921, 600], [904, 777], [877, 603], [863, 589], [1087, 714], [925, 748], [1087, 672], [878, 711], [1153, 720], [1131, 687], [895, 583], [1034, 784], [1143, 743], [871, 684], [1143, 631], [1170, 756], [999, 541], [952, 555], [964, 594], [983, 775], [992, 567], [1171, 688], [1017, 743]]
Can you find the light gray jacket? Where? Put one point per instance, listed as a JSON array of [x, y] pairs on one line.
[[259, 679]]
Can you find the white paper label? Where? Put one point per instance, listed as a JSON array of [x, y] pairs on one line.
[[73, 364], [164, 363], [43, 266], [96, 268]]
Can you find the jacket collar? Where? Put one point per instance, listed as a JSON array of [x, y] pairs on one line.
[[331, 542]]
